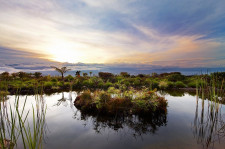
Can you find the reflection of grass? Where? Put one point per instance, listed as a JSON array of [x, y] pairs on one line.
[[14, 123], [209, 125]]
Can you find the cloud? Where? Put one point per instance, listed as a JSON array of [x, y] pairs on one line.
[[178, 33]]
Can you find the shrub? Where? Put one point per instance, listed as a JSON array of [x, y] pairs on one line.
[[125, 74], [66, 85], [4, 76], [118, 105], [84, 100], [180, 84], [121, 102], [4, 93], [154, 84], [176, 77], [112, 90], [192, 84], [48, 85], [86, 83], [37, 75], [108, 84], [137, 82], [54, 80], [69, 78], [102, 99], [105, 75], [163, 84]]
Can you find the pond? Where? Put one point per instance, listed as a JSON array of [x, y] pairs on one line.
[[187, 124]]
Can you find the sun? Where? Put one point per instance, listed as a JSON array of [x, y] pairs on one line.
[[62, 51]]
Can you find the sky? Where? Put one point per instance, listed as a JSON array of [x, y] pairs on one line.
[[35, 34]]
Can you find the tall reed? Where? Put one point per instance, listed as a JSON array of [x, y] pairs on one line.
[[15, 124]]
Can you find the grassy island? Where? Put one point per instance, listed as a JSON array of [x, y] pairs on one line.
[[117, 102]]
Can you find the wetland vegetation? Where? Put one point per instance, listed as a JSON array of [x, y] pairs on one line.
[[120, 102]]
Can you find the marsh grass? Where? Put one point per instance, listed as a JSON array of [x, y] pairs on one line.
[[209, 125], [15, 125]]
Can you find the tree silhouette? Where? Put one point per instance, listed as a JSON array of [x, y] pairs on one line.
[[78, 73], [62, 70]]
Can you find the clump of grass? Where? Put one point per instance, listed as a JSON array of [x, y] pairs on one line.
[[163, 84], [115, 101], [180, 84], [14, 123], [209, 125], [4, 93]]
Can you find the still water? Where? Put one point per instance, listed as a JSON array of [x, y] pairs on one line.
[[187, 124]]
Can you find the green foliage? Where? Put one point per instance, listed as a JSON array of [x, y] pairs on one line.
[[69, 78], [192, 84], [102, 98], [107, 84], [27, 81], [48, 85], [85, 74], [170, 85], [54, 79], [163, 85], [137, 82], [37, 75], [105, 75], [180, 84], [125, 74], [176, 77], [114, 100]]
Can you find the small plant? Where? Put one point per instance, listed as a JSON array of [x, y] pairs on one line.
[[180, 84], [163, 84]]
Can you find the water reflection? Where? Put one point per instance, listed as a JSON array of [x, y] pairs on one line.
[[64, 101], [17, 122], [177, 93], [209, 123], [137, 125]]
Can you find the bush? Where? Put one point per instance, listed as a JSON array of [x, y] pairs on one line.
[[108, 84], [171, 85], [105, 75], [176, 77], [69, 78], [48, 85], [192, 84], [180, 84], [102, 99], [137, 82], [54, 80], [121, 102], [163, 84], [154, 84], [84, 100], [125, 74]]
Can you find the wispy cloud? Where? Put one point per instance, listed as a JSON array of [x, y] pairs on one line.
[[179, 33]]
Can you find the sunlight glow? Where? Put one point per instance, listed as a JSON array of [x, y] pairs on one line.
[[63, 51]]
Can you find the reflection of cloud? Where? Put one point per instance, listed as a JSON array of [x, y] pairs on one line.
[[146, 32]]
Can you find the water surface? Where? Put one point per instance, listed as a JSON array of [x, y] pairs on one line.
[[188, 124]]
